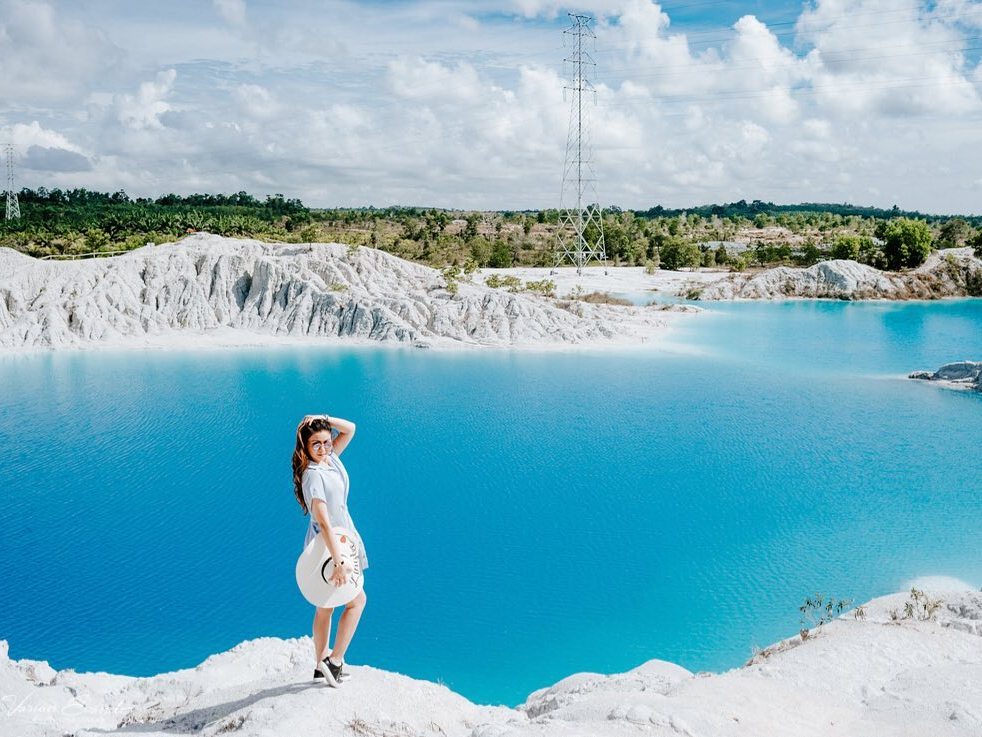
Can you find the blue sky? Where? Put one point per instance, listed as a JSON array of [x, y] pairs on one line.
[[460, 104]]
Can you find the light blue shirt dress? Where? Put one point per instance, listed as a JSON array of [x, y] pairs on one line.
[[328, 481]]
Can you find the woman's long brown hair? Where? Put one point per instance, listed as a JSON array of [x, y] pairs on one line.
[[307, 427]]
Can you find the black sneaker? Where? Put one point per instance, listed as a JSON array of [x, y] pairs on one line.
[[334, 670], [328, 672], [344, 673]]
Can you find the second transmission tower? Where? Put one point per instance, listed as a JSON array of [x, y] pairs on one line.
[[581, 229], [13, 206]]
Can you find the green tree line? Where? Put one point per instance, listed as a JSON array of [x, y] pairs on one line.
[[72, 221], [77, 221]]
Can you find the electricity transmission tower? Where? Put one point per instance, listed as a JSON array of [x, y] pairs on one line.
[[13, 206], [581, 229], [487, 220]]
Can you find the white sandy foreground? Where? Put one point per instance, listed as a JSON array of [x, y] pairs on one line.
[[870, 678], [209, 290]]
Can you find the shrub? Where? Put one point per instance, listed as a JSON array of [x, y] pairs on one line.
[[545, 287], [96, 239], [907, 242], [676, 253], [451, 275], [512, 283], [501, 255], [598, 298], [811, 254], [767, 253], [919, 606], [954, 233], [977, 245], [872, 255], [850, 247], [480, 250], [819, 610]]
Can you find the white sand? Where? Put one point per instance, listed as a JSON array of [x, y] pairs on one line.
[[857, 678], [620, 279]]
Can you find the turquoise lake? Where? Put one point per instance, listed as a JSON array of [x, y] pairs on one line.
[[527, 516]]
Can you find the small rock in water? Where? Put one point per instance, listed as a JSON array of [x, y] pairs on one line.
[[960, 371], [966, 374]]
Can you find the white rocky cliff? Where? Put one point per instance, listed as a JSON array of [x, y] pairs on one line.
[[906, 669], [247, 291], [954, 272]]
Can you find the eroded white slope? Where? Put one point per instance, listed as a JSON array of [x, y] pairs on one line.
[[208, 284], [955, 272]]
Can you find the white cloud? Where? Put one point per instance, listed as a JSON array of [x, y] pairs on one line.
[[48, 59], [257, 102], [890, 57], [143, 110], [965, 12], [554, 8], [232, 11], [415, 78], [39, 151], [23, 136], [422, 104]]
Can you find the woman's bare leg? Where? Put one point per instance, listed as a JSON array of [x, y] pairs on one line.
[[347, 626], [322, 633]]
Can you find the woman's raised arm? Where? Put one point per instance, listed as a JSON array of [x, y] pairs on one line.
[[346, 431]]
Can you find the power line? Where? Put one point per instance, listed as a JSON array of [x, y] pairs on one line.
[[841, 56], [694, 35], [617, 46], [917, 15], [899, 84]]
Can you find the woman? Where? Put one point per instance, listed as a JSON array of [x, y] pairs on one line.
[[320, 483]]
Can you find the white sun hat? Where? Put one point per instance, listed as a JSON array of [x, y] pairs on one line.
[[315, 566]]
